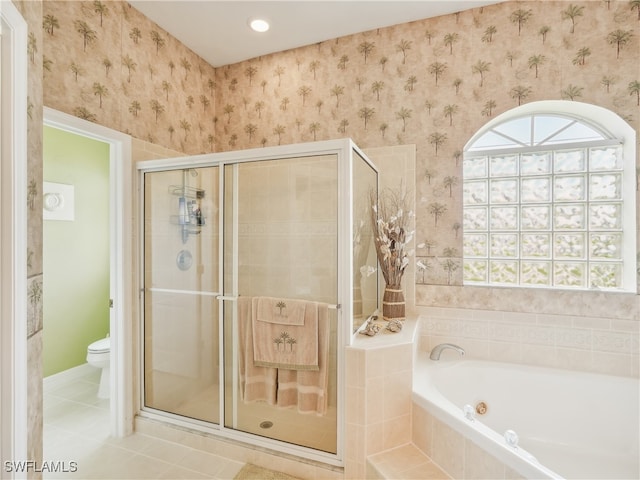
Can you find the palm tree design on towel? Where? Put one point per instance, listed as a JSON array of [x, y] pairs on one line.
[[285, 339], [280, 306]]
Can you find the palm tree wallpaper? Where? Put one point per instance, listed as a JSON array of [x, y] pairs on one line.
[[107, 63], [432, 83]]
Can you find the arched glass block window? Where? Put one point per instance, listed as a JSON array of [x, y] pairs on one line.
[[549, 201]]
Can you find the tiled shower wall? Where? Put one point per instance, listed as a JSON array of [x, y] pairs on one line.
[[288, 209]]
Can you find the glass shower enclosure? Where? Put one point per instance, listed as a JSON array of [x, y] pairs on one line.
[[256, 269]]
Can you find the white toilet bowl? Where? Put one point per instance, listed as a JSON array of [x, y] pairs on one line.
[[99, 356]]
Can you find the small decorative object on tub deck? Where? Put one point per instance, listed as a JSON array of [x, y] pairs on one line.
[[392, 222], [394, 325], [371, 328]]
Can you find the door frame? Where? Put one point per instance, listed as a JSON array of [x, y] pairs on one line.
[[13, 240], [121, 273]]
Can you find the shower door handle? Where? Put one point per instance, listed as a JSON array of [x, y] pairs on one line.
[[226, 297]]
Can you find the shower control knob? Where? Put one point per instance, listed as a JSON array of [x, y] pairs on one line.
[[511, 438]]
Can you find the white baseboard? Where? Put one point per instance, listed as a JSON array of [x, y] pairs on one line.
[[53, 381]]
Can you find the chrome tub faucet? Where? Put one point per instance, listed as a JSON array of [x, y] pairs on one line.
[[437, 350]]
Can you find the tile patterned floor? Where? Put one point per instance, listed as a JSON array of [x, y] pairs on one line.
[[77, 442]]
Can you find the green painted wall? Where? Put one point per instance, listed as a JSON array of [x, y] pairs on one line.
[[75, 253]]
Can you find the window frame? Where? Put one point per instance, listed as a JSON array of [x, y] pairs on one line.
[[616, 133]]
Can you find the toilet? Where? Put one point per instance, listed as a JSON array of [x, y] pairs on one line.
[[99, 356]]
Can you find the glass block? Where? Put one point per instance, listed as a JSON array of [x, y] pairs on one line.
[[475, 271], [505, 272], [605, 158], [605, 216], [569, 274], [605, 275], [503, 165], [570, 188], [569, 161], [535, 189], [475, 245], [569, 245], [605, 186], [569, 217], [504, 218], [504, 245], [536, 273], [535, 217], [474, 218], [474, 167], [605, 245], [536, 245], [504, 191], [475, 192], [535, 163]]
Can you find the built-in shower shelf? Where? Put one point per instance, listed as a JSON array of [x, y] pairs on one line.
[[190, 216], [192, 227], [186, 191]]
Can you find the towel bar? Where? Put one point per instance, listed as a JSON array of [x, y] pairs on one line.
[[333, 306]]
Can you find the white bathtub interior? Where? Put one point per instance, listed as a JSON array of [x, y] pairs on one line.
[[576, 425]]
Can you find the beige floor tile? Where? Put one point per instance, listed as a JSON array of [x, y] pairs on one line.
[[203, 462], [229, 471], [179, 473], [161, 449]]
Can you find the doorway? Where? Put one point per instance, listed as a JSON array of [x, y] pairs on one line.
[[76, 251], [120, 278]]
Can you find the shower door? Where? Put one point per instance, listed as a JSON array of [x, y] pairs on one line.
[[281, 245], [181, 277], [225, 234]]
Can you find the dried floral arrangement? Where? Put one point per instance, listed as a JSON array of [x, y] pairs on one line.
[[392, 221]]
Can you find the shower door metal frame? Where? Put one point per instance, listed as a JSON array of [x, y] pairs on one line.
[[345, 150]]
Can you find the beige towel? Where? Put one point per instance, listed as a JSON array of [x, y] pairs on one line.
[[308, 390], [285, 346], [281, 310], [256, 383]]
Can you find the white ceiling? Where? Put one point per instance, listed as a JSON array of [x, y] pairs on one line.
[[217, 30]]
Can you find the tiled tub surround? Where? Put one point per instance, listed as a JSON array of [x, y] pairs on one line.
[[580, 341], [378, 391]]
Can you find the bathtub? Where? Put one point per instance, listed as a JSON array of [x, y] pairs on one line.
[[559, 423]]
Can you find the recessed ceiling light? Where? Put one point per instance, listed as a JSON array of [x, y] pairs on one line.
[[258, 25]]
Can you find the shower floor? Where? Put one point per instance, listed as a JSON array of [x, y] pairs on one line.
[[308, 430]]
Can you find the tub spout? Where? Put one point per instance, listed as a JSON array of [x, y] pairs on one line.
[[437, 350]]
